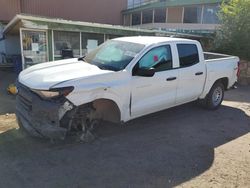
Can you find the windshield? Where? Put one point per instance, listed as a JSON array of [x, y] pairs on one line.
[[113, 55]]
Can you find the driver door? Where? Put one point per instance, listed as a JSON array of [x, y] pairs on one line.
[[151, 94]]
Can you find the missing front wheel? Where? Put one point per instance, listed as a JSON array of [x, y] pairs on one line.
[[82, 122]]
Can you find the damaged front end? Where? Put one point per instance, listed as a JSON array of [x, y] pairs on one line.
[[53, 117]]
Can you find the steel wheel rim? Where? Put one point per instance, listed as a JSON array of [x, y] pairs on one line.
[[217, 96]]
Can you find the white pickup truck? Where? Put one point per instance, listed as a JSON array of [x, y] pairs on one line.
[[122, 79]]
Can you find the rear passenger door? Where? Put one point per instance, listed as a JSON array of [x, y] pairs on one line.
[[191, 73]]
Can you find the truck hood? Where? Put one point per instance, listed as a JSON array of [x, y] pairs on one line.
[[45, 75]]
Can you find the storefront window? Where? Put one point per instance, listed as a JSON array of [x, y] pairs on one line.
[[90, 41], [192, 14], [34, 47], [136, 18], [130, 4], [127, 19], [210, 14], [147, 16], [135, 3], [66, 44], [160, 15]]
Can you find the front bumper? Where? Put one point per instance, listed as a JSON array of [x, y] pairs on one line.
[[38, 117]]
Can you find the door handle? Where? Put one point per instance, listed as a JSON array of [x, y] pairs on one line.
[[198, 73], [171, 78]]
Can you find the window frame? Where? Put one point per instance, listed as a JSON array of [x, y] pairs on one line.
[[146, 16], [91, 36], [215, 18], [199, 59], [158, 16], [187, 16], [133, 22], [162, 45], [55, 55]]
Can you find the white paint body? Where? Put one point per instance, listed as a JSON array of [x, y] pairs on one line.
[[134, 95]]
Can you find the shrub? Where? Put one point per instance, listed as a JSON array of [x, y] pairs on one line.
[[233, 35]]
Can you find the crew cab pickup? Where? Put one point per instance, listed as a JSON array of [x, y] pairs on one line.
[[122, 79]]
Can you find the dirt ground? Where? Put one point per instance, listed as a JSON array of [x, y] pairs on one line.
[[184, 146]]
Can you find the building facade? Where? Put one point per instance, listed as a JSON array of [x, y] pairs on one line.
[[107, 12], [46, 29], [76, 10], [41, 39], [190, 16]]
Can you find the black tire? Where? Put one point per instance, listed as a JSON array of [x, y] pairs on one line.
[[215, 96]]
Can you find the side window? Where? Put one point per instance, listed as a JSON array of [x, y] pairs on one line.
[[159, 58], [188, 54]]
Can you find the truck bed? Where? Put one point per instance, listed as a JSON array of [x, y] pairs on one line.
[[213, 56], [221, 66]]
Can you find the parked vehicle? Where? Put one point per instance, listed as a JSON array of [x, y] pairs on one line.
[[122, 79]]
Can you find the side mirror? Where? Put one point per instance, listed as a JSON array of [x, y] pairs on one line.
[[144, 72]]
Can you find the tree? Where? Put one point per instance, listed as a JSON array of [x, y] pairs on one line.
[[233, 35]]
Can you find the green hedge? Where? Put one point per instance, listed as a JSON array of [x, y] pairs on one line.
[[233, 37]]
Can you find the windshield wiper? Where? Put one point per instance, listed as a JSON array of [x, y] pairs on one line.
[[82, 58], [100, 65], [107, 67]]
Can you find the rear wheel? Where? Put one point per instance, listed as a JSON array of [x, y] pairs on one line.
[[215, 96]]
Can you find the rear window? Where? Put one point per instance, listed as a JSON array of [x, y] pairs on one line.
[[188, 54]]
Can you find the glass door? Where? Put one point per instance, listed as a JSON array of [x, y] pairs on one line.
[[34, 47]]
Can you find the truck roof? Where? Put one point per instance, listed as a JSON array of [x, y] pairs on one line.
[[148, 40]]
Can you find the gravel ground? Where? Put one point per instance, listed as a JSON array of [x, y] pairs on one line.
[[184, 146]]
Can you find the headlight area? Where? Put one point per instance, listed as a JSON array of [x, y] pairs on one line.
[[54, 93], [40, 112]]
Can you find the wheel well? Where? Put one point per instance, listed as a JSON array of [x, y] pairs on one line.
[[107, 109], [224, 81]]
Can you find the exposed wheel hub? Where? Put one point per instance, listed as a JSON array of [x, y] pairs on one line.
[[83, 123]]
